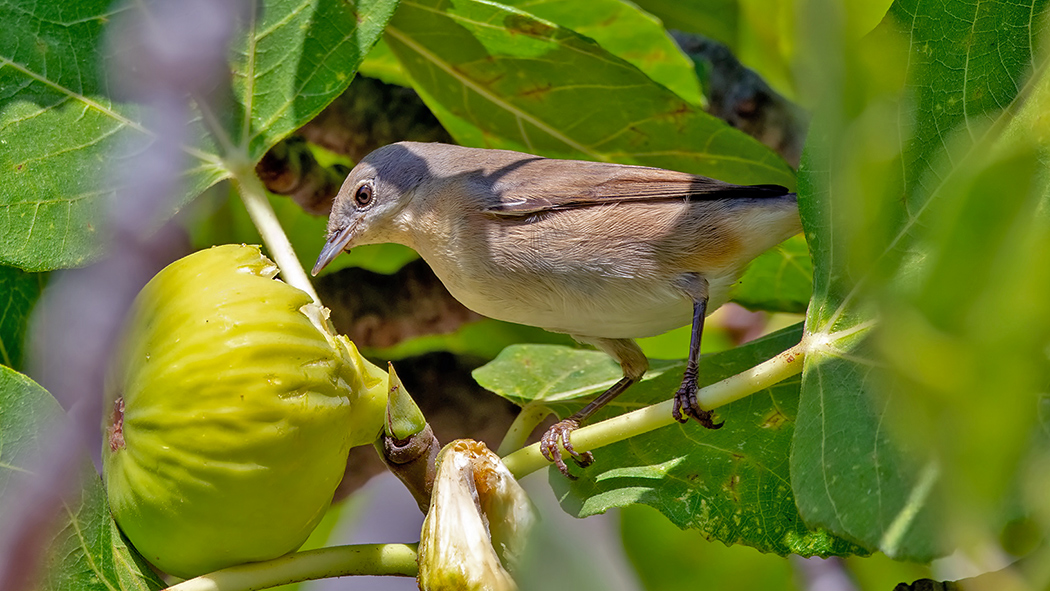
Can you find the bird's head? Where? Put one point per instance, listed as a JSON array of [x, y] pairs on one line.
[[368, 208]]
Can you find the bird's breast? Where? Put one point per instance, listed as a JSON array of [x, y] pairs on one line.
[[587, 299]]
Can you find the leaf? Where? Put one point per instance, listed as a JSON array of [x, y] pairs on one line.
[[19, 292], [381, 64], [295, 59], [654, 544], [58, 122], [730, 484], [86, 550], [482, 339], [901, 146], [780, 280], [500, 78], [559, 377], [717, 19], [626, 32]]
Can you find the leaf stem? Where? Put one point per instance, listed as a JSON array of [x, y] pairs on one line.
[[530, 416], [265, 219], [336, 561], [765, 374]]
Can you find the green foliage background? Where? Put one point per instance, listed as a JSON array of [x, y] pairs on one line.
[[918, 425]]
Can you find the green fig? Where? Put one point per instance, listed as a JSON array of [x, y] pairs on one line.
[[232, 409]]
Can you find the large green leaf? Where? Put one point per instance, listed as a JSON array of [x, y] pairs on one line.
[[916, 221], [85, 550], [626, 32], [19, 292], [57, 128], [295, 59], [58, 125], [497, 77], [730, 484]]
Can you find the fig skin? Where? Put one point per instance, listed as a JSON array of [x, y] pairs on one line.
[[232, 414]]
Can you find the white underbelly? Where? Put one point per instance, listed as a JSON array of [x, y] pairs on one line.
[[614, 308]]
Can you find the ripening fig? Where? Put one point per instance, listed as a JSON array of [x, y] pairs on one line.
[[231, 411]]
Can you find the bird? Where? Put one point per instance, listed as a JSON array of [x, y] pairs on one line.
[[604, 252]]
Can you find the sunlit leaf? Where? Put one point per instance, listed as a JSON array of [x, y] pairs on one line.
[[626, 32], [496, 77], [59, 125], [295, 59]]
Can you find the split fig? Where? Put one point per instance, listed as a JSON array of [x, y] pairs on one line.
[[231, 411]]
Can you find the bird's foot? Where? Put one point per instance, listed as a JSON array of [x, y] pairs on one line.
[[558, 436], [686, 405]]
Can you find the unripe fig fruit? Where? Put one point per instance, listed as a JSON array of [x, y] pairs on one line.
[[231, 413]]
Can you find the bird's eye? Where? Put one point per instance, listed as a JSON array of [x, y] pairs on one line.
[[363, 196]]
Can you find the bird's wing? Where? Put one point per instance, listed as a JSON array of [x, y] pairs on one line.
[[588, 184]]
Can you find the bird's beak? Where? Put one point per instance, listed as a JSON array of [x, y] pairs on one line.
[[335, 245]]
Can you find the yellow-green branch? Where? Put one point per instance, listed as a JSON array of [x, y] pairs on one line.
[[784, 365], [337, 561]]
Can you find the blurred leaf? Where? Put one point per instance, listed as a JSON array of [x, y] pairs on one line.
[[878, 571], [484, 338], [85, 550], [780, 280], [667, 558], [766, 41], [382, 64], [768, 30], [626, 32], [26, 410], [717, 19], [910, 217], [731, 484], [674, 344], [19, 292], [327, 533], [486, 72], [222, 219], [58, 122]]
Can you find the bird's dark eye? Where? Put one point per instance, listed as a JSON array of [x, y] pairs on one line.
[[363, 196]]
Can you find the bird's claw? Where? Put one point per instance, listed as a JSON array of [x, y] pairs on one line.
[[686, 406], [557, 437]]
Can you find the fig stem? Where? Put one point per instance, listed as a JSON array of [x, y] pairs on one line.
[[782, 366], [265, 219], [336, 561]]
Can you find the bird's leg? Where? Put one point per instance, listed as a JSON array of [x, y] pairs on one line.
[[685, 402], [634, 365]]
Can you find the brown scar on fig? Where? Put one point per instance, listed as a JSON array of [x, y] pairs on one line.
[[115, 432]]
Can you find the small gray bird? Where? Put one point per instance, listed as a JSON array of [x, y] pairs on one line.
[[606, 253]]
